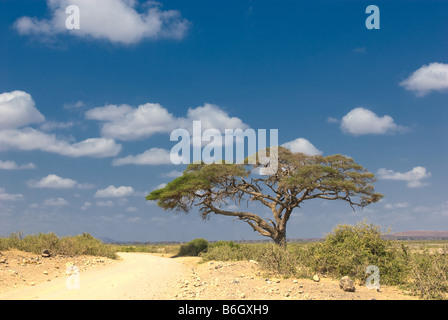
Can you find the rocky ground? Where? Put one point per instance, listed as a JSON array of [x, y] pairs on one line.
[[21, 269], [245, 280]]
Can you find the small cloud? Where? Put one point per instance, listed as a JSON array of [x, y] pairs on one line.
[[75, 105], [17, 109], [131, 209], [86, 205], [303, 146], [412, 177], [99, 22], [172, 174], [11, 165], [397, 205], [432, 77], [332, 120], [114, 192], [153, 156], [53, 181], [29, 139], [9, 196], [55, 202], [360, 121], [160, 186]]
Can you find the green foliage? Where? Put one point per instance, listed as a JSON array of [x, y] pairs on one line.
[[193, 248], [277, 259], [232, 245], [348, 250], [180, 193]]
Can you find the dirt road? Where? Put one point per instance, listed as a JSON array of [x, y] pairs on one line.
[[141, 276], [138, 276]]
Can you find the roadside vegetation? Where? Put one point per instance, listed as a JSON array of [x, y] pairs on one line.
[[419, 268], [84, 244]]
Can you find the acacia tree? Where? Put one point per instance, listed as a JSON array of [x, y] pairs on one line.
[[299, 177]]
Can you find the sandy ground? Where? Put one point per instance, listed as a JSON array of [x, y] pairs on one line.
[[139, 276], [133, 277]]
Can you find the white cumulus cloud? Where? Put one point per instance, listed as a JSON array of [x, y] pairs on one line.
[[360, 121], [413, 177], [303, 146], [114, 192], [427, 78], [117, 21], [212, 117], [29, 139], [17, 112], [17, 109], [124, 122], [53, 181]]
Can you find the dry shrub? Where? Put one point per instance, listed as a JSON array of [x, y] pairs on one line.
[[84, 244], [429, 275]]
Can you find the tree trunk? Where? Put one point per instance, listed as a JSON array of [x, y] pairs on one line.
[[280, 238]]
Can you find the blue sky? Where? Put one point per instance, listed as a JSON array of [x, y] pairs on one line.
[[86, 115]]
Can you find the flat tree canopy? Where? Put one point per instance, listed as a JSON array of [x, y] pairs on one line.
[[299, 177]]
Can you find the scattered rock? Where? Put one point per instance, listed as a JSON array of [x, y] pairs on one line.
[[219, 265], [295, 281], [316, 278], [243, 295], [46, 253], [253, 261], [347, 284]]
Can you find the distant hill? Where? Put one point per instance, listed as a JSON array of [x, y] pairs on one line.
[[421, 234]]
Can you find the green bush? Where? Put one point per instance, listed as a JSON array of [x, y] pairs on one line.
[[277, 259], [230, 244], [225, 251], [348, 250], [193, 248]]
